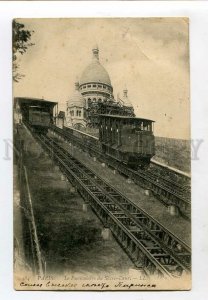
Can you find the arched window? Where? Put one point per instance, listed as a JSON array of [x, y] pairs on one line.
[[94, 99]]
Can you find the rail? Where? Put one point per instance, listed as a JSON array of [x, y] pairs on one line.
[[139, 233], [168, 193]]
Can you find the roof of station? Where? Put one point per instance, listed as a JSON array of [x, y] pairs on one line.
[[34, 101], [125, 117]]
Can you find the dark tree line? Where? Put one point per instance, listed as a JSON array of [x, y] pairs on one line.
[[21, 40]]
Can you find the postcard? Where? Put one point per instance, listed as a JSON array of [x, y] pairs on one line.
[[102, 176]]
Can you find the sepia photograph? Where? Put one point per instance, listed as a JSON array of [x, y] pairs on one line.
[[102, 154]]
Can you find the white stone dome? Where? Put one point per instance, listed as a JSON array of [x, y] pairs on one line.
[[76, 99], [95, 72]]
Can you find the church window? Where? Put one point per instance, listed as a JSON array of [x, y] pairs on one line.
[[78, 113], [94, 99], [104, 87], [94, 85]]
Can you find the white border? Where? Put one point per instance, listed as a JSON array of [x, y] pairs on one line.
[[198, 14]]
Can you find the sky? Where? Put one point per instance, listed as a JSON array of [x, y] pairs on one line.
[[148, 56]]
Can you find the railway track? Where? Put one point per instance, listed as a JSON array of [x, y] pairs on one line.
[[180, 181], [181, 189], [168, 191], [147, 242]]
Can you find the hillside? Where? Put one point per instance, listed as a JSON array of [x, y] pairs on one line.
[[174, 152]]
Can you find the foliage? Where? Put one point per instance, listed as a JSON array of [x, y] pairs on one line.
[[21, 40]]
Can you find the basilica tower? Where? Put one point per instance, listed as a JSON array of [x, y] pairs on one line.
[[95, 83], [93, 95]]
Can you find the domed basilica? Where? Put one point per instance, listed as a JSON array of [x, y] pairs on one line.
[[93, 92]]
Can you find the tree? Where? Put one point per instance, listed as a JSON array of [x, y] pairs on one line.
[[21, 40]]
